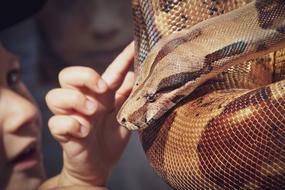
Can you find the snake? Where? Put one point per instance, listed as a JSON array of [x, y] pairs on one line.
[[209, 95]]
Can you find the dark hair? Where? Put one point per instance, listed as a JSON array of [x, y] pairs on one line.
[[14, 11], [62, 4]]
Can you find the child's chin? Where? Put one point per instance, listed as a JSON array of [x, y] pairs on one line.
[[26, 179]]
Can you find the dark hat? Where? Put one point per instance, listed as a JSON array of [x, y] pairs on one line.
[[14, 11]]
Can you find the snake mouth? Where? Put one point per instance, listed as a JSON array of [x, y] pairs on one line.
[[129, 125], [132, 126], [141, 124]]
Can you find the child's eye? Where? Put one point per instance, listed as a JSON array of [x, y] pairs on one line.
[[13, 77]]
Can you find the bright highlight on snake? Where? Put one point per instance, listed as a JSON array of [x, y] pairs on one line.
[[209, 98]]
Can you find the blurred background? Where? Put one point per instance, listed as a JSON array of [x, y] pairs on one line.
[[78, 32]]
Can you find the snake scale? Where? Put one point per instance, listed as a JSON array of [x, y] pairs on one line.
[[209, 98]]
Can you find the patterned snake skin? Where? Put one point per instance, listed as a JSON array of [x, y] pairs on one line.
[[228, 130]]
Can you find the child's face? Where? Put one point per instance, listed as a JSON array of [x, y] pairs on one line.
[[88, 32], [20, 158]]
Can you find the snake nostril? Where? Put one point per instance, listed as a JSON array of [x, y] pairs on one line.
[[123, 120]]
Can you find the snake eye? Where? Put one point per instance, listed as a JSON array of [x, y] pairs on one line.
[[150, 97]]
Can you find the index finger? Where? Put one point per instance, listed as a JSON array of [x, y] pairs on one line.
[[116, 71]]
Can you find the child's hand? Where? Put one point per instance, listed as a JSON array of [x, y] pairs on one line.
[[84, 123]]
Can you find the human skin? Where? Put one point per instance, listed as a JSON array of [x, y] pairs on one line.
[[84, 121], [90, 33], [19, 129], [88, 156]]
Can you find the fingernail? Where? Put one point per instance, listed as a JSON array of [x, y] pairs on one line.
[[84, 131], [90, 106], [102, 85]]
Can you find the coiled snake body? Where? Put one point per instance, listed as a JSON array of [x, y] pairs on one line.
[[210, 92]]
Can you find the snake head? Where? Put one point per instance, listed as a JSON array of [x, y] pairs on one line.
[[164, 79], [144, 107], [156, 95], [153, 98]]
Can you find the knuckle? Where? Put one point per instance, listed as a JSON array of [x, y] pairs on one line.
[[77, 100], [62, 74], [90, 74], [50, 96], [71, 123], [52, 125]]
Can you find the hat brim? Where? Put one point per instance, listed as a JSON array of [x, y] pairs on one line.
[[14, 11]]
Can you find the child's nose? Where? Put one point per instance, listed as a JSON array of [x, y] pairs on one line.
[[19, 111], [105, 25]]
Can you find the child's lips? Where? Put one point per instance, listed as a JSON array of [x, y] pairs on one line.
[[26, 159]]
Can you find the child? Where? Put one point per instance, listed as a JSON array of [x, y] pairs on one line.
[[91, 142], [20, 157], [91, 139]]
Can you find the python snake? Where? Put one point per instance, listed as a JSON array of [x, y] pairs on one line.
[[209, 98]]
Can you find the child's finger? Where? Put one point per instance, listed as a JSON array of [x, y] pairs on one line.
[[64, 101], [121, 95], [62, 127], [78, 77], [115, 73], [125, 89]]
